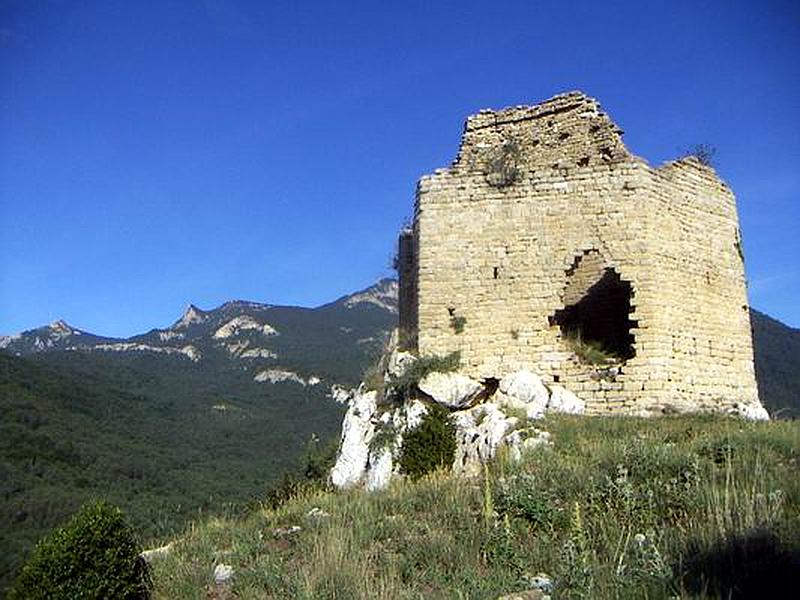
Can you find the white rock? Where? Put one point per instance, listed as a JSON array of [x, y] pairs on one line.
[[398, 362], [357, 432], [479, 432], [168, 335], [241, 323], [222, 574], [277, 376], [192, 314], [341, 394], [527, 387], [189, 351], [751, 412], [532, 410], [383, 294], [412, 415], [564, 401], [380, 470], [258, 353], [156, 553], [317, 514], [453, 390]]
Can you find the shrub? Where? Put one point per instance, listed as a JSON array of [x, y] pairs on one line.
[[457, 323], [373, 378], [704, 153], [432, 444], [403, 387], [94, 555], [589, 352], [502, 168]]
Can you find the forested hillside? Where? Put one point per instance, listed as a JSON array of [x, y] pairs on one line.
[[777, 357]]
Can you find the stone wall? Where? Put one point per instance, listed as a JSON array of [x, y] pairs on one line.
[[546, 228]]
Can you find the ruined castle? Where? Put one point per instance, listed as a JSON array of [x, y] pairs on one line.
[[547, 237]]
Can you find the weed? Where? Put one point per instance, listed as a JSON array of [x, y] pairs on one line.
[[457, 324], [589, 352], [404, 387]]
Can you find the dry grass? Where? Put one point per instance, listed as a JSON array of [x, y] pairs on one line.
[[618, 508]]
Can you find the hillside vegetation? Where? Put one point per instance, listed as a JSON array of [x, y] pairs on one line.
[[132, 433], [616, 508], [777, 357]]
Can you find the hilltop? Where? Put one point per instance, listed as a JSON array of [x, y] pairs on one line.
[[614, 508]]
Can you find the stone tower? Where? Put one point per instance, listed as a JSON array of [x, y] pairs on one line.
[[547, 238]]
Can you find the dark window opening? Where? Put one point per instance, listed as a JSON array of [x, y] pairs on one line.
[[496, 272], [599, 317], [556, 378]]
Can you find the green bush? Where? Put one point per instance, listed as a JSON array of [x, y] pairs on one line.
[[403, 387], [432, 444], [94, 555]]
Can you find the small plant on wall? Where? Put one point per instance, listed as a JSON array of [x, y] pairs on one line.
[[457, 323], [502, 168]]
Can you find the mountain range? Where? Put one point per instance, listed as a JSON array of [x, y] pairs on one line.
[[203, 415]]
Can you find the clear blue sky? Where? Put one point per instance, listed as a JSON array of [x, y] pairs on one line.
[[158, 153]]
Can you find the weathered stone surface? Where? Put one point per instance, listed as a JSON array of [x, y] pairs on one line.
[[751, 412], [380, 470], [479, 433], [398, 362], [157, 553], [545, 205], [357, 431], [526, 388], [522, 440], [453, 390], [532, 410], [564, 401], [222, 574]]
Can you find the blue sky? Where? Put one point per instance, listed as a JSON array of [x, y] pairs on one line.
[[154, 154]]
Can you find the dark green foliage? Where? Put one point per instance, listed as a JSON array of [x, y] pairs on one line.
[[526, 498], [432, 444], [384, 437], [316, 464], [457, 323], [502, 168], [404, 387], [93, 556], [141, 431]]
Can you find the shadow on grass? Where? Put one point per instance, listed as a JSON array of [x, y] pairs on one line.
[[753, 565]]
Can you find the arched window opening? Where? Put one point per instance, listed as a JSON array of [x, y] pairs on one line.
[[595, 320]]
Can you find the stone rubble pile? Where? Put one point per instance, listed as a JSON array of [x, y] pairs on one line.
[[487, 415]]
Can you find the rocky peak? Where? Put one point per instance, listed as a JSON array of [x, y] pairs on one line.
[[61, 328], [382, 294], [191, 315]]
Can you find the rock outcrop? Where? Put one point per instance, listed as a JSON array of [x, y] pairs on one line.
[[488, 417]]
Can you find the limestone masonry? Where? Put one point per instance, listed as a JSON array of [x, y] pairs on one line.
[[546, 235]]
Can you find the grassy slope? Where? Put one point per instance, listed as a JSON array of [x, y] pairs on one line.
[[717, 501], [133, 433]]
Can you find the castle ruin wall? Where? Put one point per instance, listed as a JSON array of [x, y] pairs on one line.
[[546, 227]]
